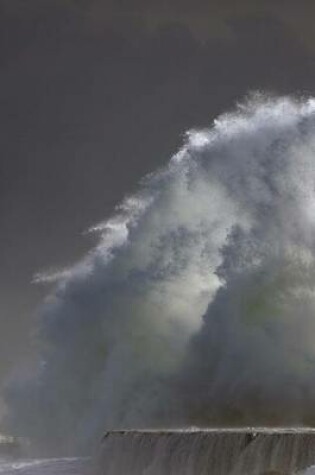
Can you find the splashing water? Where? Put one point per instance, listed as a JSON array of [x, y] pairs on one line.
[[197, 306]]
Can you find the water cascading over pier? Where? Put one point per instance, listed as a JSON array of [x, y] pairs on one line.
[[245, 451]]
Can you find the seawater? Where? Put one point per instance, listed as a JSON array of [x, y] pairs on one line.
[[54, 466]]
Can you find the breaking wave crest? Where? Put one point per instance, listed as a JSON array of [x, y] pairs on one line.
[[197, 306]]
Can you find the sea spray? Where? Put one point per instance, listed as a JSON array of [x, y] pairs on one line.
[[197, 305]]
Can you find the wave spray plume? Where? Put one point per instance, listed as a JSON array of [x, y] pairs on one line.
[[197, 306]]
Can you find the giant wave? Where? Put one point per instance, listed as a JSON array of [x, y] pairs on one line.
[[197, 305]]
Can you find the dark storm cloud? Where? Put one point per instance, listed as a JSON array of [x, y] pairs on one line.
[[96, 94]]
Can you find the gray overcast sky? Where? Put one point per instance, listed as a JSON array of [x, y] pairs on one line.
[[94, 94]]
